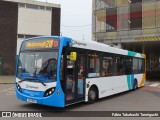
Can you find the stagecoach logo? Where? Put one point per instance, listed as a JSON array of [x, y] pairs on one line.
[[44, 44], [31, 87], [78, 43]]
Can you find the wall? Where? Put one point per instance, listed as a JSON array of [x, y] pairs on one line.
[[34, 22], [8, 35]]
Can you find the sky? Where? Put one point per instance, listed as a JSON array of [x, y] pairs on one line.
[[76, 18]]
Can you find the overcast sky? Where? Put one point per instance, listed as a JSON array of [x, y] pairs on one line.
[[75, 13]]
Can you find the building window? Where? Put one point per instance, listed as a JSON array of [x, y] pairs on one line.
[[111, 19], [123, 17], [22, 5], [110, 3], [42, 7], [135, 1], [32, 6], [144, 1], [101, 4], [122, 2], [26, 36], [149, 16], [135, 16], [48, 8]]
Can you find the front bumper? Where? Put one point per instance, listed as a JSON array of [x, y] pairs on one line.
[[57, 99]]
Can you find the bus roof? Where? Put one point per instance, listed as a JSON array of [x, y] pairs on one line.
[[93, 45]]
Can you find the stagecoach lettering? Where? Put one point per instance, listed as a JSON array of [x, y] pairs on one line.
[[78, 43]]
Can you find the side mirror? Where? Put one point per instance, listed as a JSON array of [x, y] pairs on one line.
[[73, 56]]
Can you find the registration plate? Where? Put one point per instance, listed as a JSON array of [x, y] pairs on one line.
[[31, 100]]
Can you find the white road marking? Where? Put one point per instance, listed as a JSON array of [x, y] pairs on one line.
[[10, 94], [8, 91], [154, 85]]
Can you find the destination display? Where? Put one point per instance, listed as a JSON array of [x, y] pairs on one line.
[[37, 44]]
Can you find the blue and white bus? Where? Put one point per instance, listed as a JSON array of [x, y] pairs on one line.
[[59, 71]]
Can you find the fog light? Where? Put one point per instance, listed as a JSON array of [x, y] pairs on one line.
[[49, 92], [18, 87]]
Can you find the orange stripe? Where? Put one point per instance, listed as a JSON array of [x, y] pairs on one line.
[[143, 80]]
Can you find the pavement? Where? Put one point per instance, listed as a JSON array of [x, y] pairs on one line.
[[152, 87], [7, 79]]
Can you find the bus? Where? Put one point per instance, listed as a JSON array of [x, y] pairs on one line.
[[59, 71]]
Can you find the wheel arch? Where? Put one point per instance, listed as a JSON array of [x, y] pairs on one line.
[[135, 81], [95, 87]]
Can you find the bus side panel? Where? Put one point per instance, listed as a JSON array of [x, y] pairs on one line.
[[112, 85], [141, 78], [55, 100], [108, 85], [120, 84]]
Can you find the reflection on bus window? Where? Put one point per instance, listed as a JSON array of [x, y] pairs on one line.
[[49, 67], [39, 64], [128, 65], [119, 65], [80, 68], [94, 65], [108, 66]]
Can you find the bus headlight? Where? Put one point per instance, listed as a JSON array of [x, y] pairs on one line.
[[49, 92], [18, 87]]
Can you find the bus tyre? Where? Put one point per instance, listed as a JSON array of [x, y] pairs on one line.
[[135, 85], [92, 95]]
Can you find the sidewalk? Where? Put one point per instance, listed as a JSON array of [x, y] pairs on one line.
[[7, 79], [152, 86]]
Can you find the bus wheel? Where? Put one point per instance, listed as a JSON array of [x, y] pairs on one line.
[[135, 85], [92, 94]]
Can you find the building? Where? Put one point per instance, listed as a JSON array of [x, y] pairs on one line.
[[21, 19], [130, 24]]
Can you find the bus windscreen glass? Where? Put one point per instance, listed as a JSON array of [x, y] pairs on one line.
[[38, 60]]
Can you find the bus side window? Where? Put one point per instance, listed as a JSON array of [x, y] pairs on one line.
[[119, 65], [93, 65], [140, 66], [135, 65], [128, 65], [107, 65]]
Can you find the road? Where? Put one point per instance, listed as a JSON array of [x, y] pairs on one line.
[[143, 99]]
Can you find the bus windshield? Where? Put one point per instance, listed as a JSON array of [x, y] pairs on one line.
[[37, 65]]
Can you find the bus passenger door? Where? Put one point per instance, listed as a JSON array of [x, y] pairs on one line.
[[75, 79]]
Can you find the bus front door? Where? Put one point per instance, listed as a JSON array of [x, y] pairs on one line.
[[75, 80]]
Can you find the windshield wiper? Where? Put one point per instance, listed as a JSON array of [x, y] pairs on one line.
[[31, 79]]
